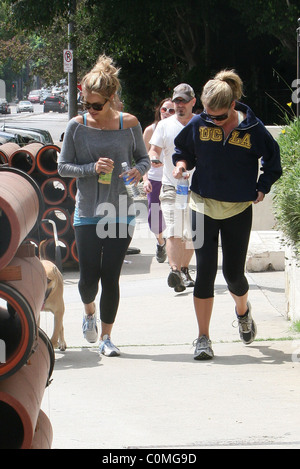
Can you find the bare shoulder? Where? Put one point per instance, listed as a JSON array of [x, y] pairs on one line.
[[129, 120], [148, 132], [79, 119]]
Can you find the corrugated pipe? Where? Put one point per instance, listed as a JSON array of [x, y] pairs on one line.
[[46, 160], [43, 435], [54, 190], [21, 207], [74, 253], [50, 250], [60, 216], [6, 150], [25, 157], [23, 297], [72, 189], [21, 397]]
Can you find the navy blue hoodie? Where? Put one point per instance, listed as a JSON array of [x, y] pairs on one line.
[[227, 170]]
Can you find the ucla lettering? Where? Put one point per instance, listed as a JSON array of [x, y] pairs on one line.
[[244, 142], [216, 135], [210, 133]]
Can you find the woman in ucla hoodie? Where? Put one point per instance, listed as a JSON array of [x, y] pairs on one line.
[[224, 144]]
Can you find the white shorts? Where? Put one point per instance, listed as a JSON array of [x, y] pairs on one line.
[[178, 222]]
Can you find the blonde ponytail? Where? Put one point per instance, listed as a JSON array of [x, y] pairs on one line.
[[220, 92], [103, 78]]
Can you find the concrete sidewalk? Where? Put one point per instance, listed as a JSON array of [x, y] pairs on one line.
[[155, 395]]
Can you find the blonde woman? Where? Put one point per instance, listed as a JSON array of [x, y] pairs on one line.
[[94, 148], [224, 144]]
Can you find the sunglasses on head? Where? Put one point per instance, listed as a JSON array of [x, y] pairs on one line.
[[95, 106], [169, 110], [221, 117]]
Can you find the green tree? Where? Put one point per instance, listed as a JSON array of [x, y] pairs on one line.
[[161, 43], [276, 18]]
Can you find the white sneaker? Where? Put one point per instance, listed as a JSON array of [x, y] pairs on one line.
[[247, 326], [90, 329], [203, 350], [107, 348]]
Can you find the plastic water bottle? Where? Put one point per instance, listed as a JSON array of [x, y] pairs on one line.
[[182, 193], [132, 190]]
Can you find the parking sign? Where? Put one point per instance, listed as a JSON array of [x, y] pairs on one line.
[[68, 61]]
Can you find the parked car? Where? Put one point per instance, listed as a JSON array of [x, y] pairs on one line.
[[7, 137], [4, 107], [34, 96], [44, 94], [29, 134], [55, 104], [24, 106]]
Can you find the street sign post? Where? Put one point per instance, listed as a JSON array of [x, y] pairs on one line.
[[2, 89], [68, 61]]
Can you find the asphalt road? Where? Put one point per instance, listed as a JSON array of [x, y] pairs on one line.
[[54, 122]]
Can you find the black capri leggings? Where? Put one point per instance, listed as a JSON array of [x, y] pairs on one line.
[[235, 234], [101, 259]]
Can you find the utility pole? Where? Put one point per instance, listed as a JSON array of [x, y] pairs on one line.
[[298, 68], [72, 77]]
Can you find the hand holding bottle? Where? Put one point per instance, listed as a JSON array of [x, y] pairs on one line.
[[131, 177], [180, 171], [104, 167]]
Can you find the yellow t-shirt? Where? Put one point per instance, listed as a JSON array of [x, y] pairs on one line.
[[215, 208]]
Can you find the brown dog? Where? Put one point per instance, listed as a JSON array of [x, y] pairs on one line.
[[54, 300]]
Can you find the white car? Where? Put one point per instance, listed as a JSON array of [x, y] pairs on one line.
[[24, 106]]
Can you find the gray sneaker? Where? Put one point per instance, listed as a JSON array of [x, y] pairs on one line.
[[247, 327], [107, 348], [187, 279], [161, 253], [175, 281], [90, 329], [203, 350]]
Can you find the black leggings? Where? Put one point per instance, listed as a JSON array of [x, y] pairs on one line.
[[101, 259], [235, 234]]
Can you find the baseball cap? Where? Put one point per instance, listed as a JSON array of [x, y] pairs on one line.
[[183, 91]]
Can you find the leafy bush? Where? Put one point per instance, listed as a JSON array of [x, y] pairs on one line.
[[287, 189]]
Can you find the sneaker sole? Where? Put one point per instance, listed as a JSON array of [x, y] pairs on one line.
[[90, 340], [161, 261], [204, 356], [174, 282], [112, 354]]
